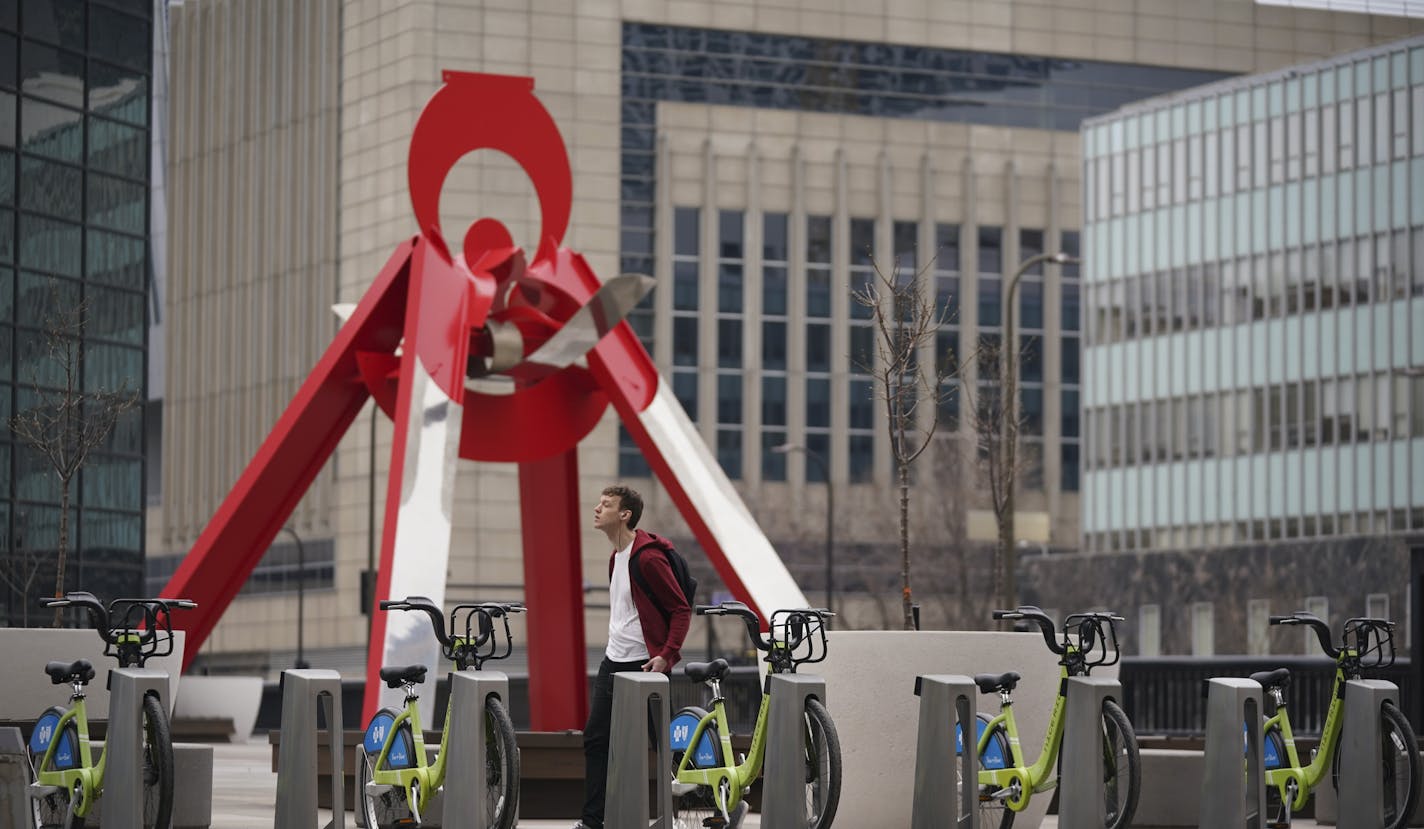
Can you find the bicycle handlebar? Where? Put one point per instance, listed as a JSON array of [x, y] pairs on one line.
[[748, 617], [470, 648], [132, 629], [798, 627], [1322, 630], [1038, 617]]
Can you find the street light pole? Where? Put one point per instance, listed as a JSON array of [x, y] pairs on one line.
[[301, 594], [1009, 421], [825, 468]]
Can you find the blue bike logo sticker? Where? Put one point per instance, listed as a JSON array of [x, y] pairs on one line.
[[65, 755], [705, 755], [400, 755], [993, 756]]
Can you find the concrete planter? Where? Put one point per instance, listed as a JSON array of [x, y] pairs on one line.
[[235, 698], [25, 689], [870, 689]]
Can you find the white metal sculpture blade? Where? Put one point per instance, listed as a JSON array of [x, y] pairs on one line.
[[423, 529]]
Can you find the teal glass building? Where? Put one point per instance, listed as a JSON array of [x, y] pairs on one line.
[[1255, 360], [74, 224]]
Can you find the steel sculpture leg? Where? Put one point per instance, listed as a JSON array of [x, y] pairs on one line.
[[783, 802], [465, 794], [1081, 801], [1361, 779], [299, 755], [558, 663], [123, 775], [640, 705], [1231, 798], [946, 702]]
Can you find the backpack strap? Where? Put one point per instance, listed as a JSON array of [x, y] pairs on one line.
[[637, 574]]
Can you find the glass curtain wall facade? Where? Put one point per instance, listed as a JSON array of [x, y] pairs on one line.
[[1255, 303], [74, 213]]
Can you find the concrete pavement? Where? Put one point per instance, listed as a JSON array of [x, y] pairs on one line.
[[245, 789]]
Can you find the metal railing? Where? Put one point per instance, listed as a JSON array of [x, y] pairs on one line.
[[1164, 695]]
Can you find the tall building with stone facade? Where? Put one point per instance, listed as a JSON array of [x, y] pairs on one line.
[[760, 160], [1255, 367]]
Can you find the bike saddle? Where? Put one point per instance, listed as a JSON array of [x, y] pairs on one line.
[[397, 676], [80, 670], [989, 683], [703, 671], [1271, 679]]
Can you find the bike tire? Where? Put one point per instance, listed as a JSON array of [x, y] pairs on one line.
[[1399, 763], [157, 765], [992, 813], [1122, 766], [54, 811], [501, 767], [384, 809], [823, 766], [691, 808]]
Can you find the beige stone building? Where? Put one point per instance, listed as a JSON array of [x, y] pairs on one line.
[[759, 159]]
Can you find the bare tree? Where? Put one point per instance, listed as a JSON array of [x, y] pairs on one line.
[[906, 321], [994, 427], [19, 569], [67, 421]]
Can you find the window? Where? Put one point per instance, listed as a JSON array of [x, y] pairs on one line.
[[1258, 639], [1149, 627], [1203, 629], [775, 291], [1320, 607]]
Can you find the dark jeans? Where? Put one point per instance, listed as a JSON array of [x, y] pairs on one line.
[[596, 739]]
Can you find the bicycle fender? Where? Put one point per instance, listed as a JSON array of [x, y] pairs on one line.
[[47, 731], [378, 733], [708, 753]]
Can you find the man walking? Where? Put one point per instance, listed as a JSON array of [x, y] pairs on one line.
[[647, 622]]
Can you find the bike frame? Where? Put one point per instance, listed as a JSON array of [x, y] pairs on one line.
[[738, 776], [1308, 777], [87, 774], [430, 775], [1030, 778]]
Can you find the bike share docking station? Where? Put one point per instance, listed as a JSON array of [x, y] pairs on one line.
[[123, 745], [783, 796], [304, 692], [1233, 796], [1081, 801], [641, 713], [1361, 781], [946, 710], [464, 793]]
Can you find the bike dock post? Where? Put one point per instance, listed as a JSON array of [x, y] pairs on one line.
[[1080, 801], [304, 692], [1233, 785], [464, 790], [946, 709], [1361, 784], [783, 802], [640, 703], [123, 746]]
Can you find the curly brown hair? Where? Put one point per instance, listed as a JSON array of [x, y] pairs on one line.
[[629, 499]]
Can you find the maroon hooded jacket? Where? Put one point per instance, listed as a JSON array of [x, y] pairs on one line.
[[662, 635]]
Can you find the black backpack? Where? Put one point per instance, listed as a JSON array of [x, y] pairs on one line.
[[681, 573]]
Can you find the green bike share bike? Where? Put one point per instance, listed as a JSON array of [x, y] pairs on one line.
[[395, 781], [67, 781], [1365, 645], [708, 781], [1006, 780]]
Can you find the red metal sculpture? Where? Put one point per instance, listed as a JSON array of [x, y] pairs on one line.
[[432, 325]]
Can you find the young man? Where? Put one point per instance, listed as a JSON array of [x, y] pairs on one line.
[[640, 636]]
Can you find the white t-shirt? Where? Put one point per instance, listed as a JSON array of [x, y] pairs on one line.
[[625, 632]]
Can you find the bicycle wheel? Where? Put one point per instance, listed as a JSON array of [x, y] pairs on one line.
[[992, 811], [692, 805], [157, 765], [501, 767], [55, 811], [384, 806], [823, 766], [1399, 767], [1122, 767]]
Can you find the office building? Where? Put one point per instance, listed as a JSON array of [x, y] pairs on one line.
[[760, 161]]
